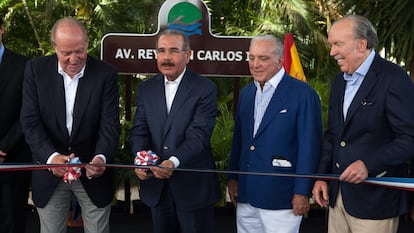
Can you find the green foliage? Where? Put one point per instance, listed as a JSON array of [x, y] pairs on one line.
[[123, 156], [221, 143], [222, 136], [323, 90]]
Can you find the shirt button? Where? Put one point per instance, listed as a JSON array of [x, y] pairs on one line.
[[337, 165], [252, 148], [342, 143], [165, 147]]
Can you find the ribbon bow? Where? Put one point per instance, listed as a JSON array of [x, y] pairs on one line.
[[74, 172], [146, 158]]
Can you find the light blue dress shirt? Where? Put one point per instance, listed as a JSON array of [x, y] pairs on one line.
[[264, 96], [353, 82]]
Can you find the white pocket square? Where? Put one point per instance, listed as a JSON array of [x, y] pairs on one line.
[[283, 111]]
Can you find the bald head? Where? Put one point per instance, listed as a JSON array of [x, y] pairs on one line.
[[70, 41], [68, 24]]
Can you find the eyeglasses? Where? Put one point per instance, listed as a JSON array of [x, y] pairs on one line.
[[172, 51]]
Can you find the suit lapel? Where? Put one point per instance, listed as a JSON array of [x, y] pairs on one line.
[[7, 67], [158, 98], [179, 99], [57, 98], [337, 96], [250, 98], [5, 74], [83, 93]]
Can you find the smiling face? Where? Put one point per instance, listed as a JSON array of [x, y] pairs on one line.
[[71, 45], [348, 51], [171, 56], [263, 61]]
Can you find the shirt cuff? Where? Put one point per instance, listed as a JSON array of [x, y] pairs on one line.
[[49, 160], [175, 161], [102, 157]]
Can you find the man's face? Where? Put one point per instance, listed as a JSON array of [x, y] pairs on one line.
[[263, 62], [347, 51], [71, 48], [171, 58]]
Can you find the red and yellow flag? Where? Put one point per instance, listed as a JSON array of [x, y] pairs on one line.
[[291, 59]]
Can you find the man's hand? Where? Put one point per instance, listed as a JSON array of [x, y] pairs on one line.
[[320, 193], [61, 159], [161, 172], [232, 187], [143, 174], [300, 204], [355, 173], [95, 171], [2, 156]]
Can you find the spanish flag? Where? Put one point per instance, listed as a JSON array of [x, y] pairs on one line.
[[291, 59]]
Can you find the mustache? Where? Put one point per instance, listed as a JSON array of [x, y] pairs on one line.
[[167, 64]]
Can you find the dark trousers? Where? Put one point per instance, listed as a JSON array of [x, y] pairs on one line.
[[13, 203], [167, 218]]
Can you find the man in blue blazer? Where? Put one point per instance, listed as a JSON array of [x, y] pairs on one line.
[[370, 133], [175, 117], [14, 186], [70, 109], [277, 129]]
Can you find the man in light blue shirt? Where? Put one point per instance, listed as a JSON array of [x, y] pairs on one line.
[[277, 130], [370, 133]]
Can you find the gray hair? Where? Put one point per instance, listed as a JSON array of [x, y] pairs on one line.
[[363, 29], [71, 21], [174, 32], [278, 46]]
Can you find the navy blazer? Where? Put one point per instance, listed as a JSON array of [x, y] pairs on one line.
[[95, 128], [11, 135], [379, 130], [185, 133], [291, 130]]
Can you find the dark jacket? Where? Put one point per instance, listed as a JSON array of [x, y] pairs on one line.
[[379, 130], [95, 129]]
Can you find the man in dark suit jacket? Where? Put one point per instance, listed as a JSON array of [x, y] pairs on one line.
[[174, 118], [370, 132], [14, 186], [278, 129], [70, 109]]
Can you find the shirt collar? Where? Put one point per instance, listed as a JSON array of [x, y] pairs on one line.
[[177, 80], [362, 69], [275, 80], [78, 75]]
